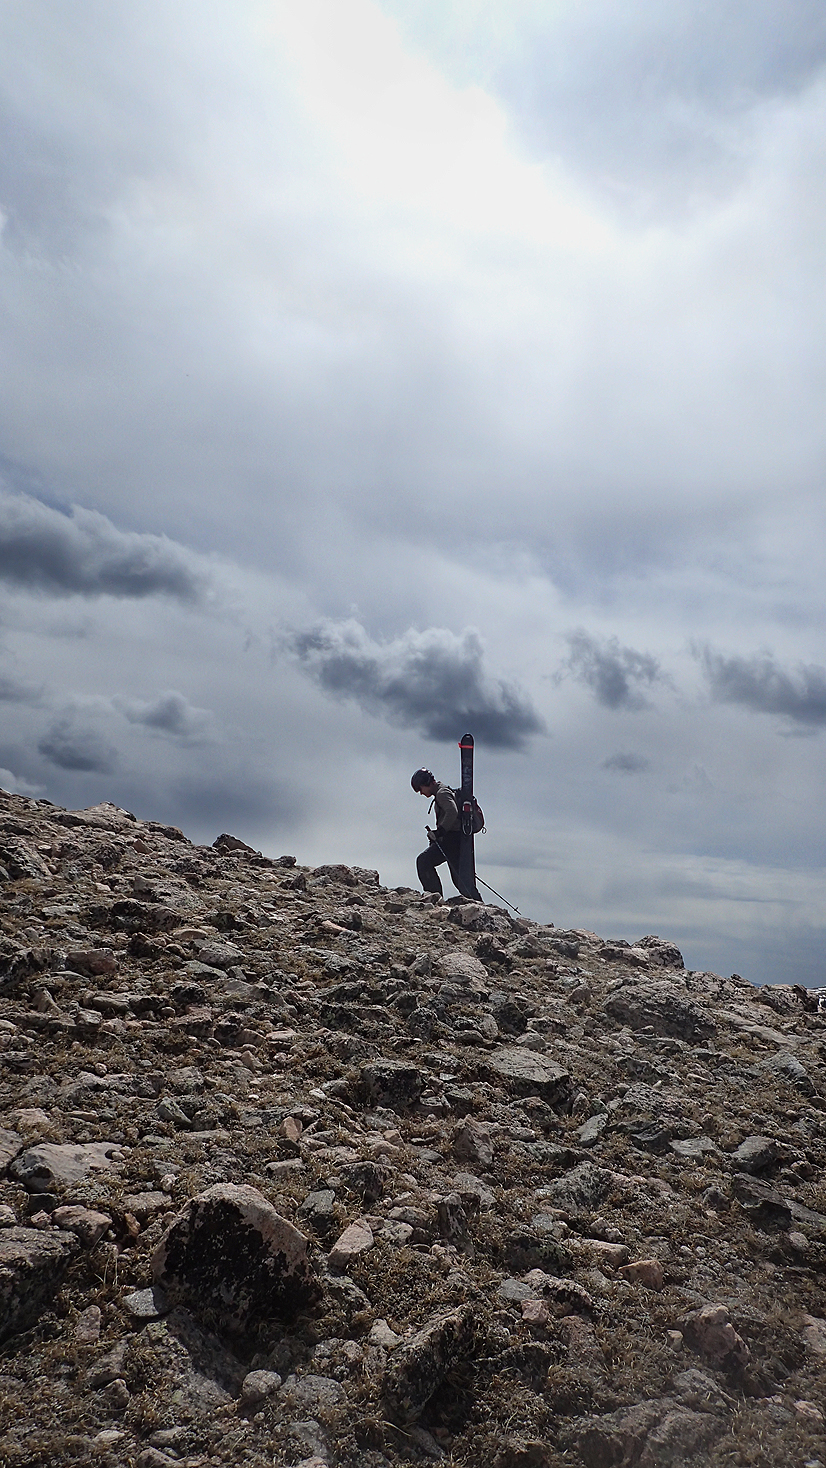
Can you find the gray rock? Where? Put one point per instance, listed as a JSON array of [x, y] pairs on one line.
[[790, 1069], [420, 1365], [57, 1165], [150, 1304], [582, 1188], [664, 1007], [472, 1142], [392, 1083], [258, 1385], [32, 1265], [528, 1074], [220, 955], [10, 1144], [756, 1154], [230, 1255]]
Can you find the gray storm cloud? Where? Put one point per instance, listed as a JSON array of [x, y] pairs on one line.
[[614, 674], [13, 691], [759, 683], [433, 681], [72, 746], [169, 713], [627, 764], [84, 554]]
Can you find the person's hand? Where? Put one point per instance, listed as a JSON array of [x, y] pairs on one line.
[[431, 835]]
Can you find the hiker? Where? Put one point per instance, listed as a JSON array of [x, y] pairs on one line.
[[444, 842]]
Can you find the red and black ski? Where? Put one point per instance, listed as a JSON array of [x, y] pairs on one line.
[[467, 857]]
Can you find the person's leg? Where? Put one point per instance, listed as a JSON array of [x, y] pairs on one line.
[[426, 865]]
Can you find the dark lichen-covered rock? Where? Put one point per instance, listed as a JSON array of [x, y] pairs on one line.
[[392, 1083], [419, 1367], [661, 952], [230, 1257], [128, 915], [18, 963], [32, 1265], [662, 1007], [21, 860]]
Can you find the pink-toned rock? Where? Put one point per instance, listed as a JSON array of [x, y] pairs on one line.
[[710, 1331], [607, 1256], [813, 1334], [92, 961], [291, 1128], [535, 1312], [581, 1339], [85, 1223], [230, 1255], [808, 1413], [31, 1119], [87, 1326], [356, 1239], [647, 1272], [472, 1142]]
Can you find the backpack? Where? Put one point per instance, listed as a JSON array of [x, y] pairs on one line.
[[477, 815]]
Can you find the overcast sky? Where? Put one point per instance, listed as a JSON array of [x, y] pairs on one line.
[[377, 369]]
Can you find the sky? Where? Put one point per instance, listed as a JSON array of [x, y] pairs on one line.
[[376, 370]]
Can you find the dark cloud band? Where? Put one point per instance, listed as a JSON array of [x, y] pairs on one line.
[[72, 747], [613, 673], [433, 681], [85, 554], [759, 683]]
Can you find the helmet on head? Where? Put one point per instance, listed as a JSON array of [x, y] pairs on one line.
[[421, 778]]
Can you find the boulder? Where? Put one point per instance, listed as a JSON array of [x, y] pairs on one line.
[[662, 1007], [231, 1257], [392, 1083], [32, 1265], [420, 1366], [59, 1165], [528, 1074]]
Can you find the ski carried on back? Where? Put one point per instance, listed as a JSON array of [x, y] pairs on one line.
[[467, 857]]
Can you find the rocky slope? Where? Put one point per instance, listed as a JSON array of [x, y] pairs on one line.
[[298, 1169]]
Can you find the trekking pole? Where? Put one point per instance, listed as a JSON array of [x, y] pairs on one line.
[[479, 879], [498, 894]]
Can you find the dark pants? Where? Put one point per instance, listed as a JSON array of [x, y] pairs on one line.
[[426, 864]]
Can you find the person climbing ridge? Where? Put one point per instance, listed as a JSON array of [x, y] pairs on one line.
[[444, 843]]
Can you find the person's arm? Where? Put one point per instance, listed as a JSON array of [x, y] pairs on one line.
[[449, 814]]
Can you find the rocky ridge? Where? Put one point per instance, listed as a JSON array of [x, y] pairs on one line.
[[297, 1169]]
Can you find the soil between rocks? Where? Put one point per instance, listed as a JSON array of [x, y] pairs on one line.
[[587, 1185]]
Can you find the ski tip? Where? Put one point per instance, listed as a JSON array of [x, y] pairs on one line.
[[466, 741]]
